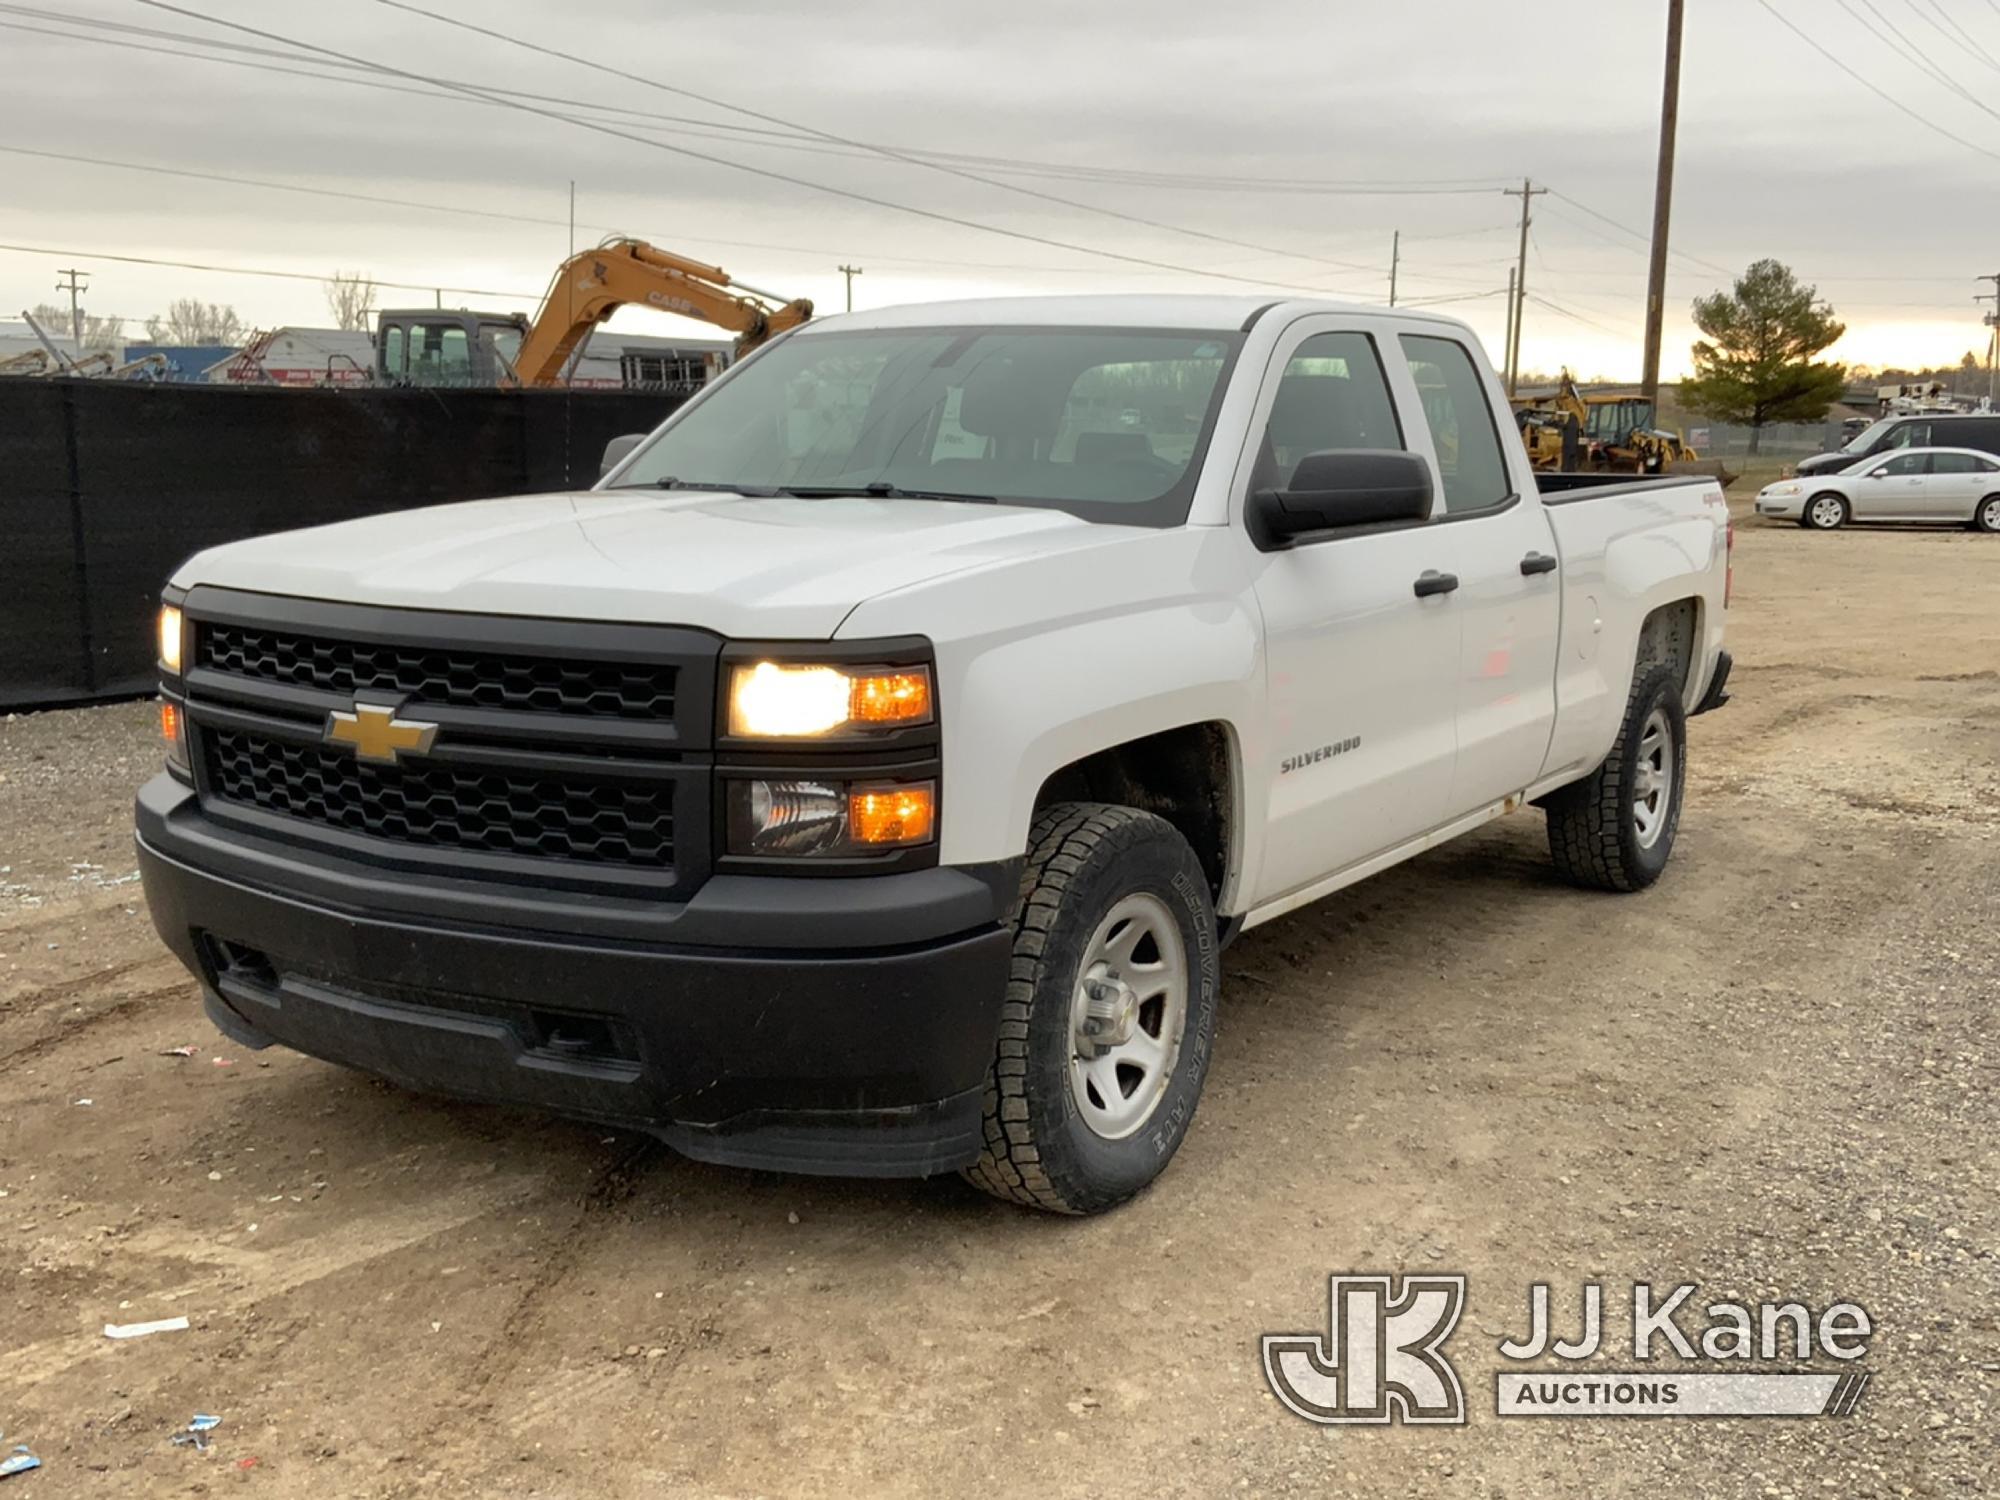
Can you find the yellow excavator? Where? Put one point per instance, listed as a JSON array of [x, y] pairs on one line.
[[458, 348], [1569, 431]]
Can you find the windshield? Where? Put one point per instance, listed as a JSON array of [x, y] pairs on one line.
[[1865, 439], [1108, 424]]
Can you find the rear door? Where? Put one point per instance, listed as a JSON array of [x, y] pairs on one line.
[[1502, 550], [1958, 481], [1360, 670], [1892, 489]]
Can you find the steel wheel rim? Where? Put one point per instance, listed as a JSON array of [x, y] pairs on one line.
[[1826, 514], [1653, 779], [1127, 1017]]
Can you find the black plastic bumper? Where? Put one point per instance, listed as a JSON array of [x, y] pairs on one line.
[[811, 1025], [1718, 686]]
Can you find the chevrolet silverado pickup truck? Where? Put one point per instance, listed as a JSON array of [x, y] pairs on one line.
[[865, 776]]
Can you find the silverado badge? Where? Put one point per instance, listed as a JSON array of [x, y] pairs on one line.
[[373, 732]]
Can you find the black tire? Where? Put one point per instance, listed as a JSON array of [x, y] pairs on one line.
[[1986, 514], [1594, 836], [1083, 859], [1806, 512]]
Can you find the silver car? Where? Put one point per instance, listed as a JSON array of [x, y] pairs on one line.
[[1915, 484]]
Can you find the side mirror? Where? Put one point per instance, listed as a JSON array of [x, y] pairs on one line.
[[1878, 473], [1337, 489], [618, 450]]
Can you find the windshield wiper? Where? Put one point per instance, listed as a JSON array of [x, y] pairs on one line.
[[879, 489], [718, 486]]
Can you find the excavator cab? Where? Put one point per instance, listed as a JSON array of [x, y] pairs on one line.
[[435, 347]]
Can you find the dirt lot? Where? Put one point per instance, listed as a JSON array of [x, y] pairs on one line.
[[1773, 1075]]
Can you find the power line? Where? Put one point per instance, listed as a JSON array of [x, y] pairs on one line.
[[1707, 265], [785, 177], [190, 265], [1574, 316], [1911, 53], [1873, 88], [815, 251], [1963, 38], [889, 153], [723, 130]]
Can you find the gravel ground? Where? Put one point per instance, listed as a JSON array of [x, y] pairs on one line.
[[1773, 1076]]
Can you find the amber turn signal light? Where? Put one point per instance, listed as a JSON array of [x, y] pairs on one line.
[[892, 815]]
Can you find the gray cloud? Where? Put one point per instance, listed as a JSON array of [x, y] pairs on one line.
[[1779, 153]]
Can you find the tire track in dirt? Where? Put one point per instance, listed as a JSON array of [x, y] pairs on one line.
[[477, 1400], [73, 1029]]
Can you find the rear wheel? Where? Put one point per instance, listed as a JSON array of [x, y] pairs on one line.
[[1825, 513], [1614, 830], [1986, 516], [1110, 1012]]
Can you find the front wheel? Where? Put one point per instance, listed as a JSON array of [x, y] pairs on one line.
[[1614, 830], [1825, 513], [1110, 1012], [1986, 517]]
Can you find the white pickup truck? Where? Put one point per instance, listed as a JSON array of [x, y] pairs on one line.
[[866, 775]]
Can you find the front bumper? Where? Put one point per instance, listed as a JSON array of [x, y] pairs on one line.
[[812, 1025], [1788, 508]]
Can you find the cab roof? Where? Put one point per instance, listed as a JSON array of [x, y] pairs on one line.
[[1207, 313]]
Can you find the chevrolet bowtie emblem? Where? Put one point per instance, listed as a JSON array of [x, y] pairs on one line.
[[373, 732]]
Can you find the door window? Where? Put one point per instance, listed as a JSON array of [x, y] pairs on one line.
[[1333, 394], [1907, 465], [1961, 463], [1909, 435], [1455, 405], [393, 341]]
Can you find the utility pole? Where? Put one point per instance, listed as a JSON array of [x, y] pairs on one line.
[[1507, 338], [850, 272], [1395, 258], [74, 284], [1527, 192], [1663, 201], [1992, 321]]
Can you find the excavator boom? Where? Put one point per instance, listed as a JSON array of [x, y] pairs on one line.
[[590, 287]]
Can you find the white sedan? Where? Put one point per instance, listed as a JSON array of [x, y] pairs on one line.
[[1915, 484]]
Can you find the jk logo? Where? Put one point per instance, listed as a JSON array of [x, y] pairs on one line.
[[1380, 1360]]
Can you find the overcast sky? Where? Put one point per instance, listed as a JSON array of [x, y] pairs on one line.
[[1448, 100]]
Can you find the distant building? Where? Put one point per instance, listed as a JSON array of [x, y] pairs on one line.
[[331, 357], [185, 362]]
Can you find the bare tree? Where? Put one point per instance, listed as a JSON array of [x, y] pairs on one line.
[[350, 297], [192, 321], [98, 333]]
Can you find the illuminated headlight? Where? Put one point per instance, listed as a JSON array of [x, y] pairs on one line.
[[817, 816], [774, 700], [170, 637]]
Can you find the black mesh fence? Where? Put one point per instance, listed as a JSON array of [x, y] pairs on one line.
[[105, 488]]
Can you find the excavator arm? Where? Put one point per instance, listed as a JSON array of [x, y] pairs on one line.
[[590, 287]]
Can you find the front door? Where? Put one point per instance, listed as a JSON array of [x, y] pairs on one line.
[[1509, 600], [1360, 668], [1895, 489]]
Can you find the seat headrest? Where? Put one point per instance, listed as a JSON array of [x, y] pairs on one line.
[[1003, 398]]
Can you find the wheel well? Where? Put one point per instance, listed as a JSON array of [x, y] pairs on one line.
[[1667, 638], [1182, 775]]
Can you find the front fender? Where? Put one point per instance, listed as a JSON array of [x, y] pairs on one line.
[[1044, 662]]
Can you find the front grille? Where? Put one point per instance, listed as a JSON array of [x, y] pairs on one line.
[[463, 678], [442, 805]]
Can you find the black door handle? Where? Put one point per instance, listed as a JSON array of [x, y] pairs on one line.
[[1434, 582], [1538, 562]]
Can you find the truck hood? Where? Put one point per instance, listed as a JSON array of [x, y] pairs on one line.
[[745, 567]]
